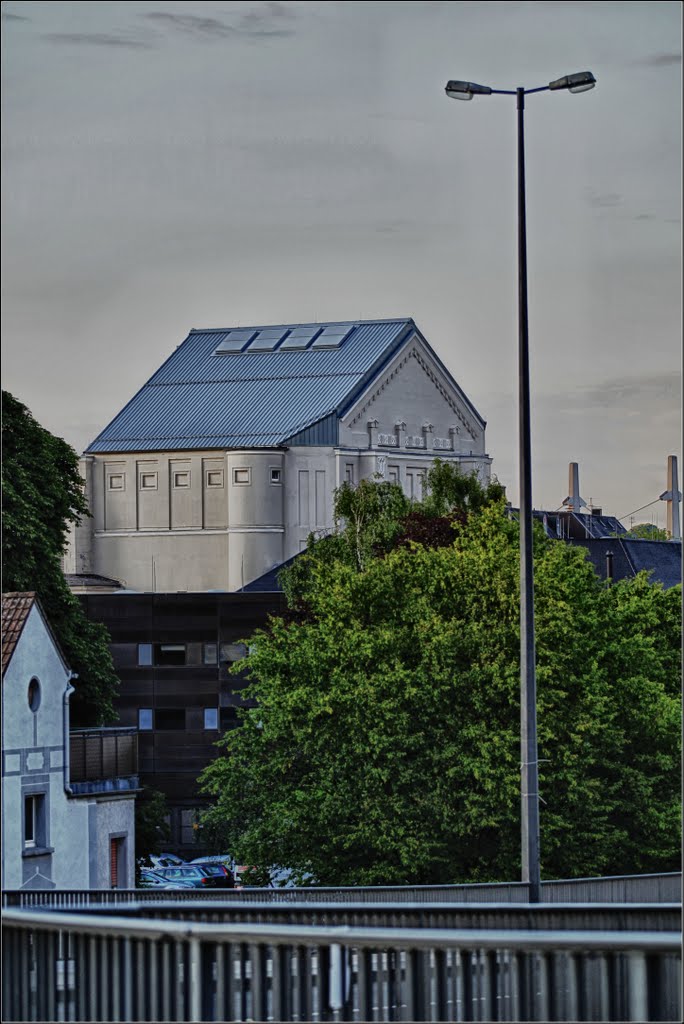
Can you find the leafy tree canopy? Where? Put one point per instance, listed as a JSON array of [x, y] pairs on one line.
[[152, 829], [41, 496], [645, 531], [384, 747]]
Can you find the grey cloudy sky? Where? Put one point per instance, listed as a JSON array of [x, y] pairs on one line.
[[176, 165]]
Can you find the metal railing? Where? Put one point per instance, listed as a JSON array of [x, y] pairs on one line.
[[102, 755], [654, 888], [63, 967], [608, 917]]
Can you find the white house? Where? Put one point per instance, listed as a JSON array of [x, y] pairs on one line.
[[57, 832], [227, 459]]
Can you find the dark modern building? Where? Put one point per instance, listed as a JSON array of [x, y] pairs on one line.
[[173, 653]]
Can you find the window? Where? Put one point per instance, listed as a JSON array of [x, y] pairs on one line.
[[211, 718], [144, 654], [169, 654], [215, 478], [170, 718], [145, 719], [116, 482], [242, 476], [209, 654], [233, 652], [229, 718], [349, 472], [276, 476], [181, 479], [148, 481], [34, 822], [34, 694]]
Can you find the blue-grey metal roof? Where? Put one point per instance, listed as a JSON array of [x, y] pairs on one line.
[[261, 398]]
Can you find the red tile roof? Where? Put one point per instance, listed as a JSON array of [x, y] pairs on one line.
[[15, 611]]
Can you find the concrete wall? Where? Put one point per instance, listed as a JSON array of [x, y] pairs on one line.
[[34, 744]]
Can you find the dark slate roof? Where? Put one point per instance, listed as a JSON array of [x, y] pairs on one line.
[[663, 559], [255, 396], [567, 525], [89, 579], [269, 582]]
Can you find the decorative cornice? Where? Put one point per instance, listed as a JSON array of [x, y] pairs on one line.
[[427, 369]]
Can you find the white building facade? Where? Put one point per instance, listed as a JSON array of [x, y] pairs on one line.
[[52, 838], [225, 462]]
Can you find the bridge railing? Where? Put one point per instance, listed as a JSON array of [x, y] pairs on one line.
[[82, 967], [653, 888], [658, 917]]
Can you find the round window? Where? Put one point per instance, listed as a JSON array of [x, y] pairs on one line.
[[34, 695]]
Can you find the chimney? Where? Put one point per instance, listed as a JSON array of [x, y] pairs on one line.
[[609, 566], [573, 501], [672, 496]]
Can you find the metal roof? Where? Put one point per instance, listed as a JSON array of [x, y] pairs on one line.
[[204, 398]]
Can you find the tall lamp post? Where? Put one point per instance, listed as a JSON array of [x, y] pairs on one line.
[[529, 788]]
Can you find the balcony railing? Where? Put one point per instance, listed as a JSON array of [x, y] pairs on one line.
[[103, 760], [77, 967]]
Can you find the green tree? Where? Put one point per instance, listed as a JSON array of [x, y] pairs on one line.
[[384, 747], [41, 496], [152, 830], [645, 531]]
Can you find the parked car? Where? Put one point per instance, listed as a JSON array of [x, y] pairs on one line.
[[196, 876], [216, 858], [165, 860], [150, 879], [218, 870]]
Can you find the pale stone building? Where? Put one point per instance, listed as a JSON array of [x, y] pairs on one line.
[[64, 826], [227, 459]]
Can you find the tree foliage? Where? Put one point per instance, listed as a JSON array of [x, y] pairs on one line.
[[152, 829], [645, 531], [41, 496], [384, 747]]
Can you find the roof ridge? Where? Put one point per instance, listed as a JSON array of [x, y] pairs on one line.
[[303, 323]]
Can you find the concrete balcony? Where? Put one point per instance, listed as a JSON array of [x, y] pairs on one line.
[[103, 761]]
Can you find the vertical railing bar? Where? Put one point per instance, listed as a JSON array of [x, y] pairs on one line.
[[92, 978], [128, 980], [153, 955], [365, 984], [114, 987], [257, 986], [165, 980], [277, 984], [193, 1000], [637, 987], [22, 980], [7, 972], [244, 990], [220, 1009]]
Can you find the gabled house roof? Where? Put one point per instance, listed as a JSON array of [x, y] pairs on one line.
[[16, 608], [257, 386], [15, 612]]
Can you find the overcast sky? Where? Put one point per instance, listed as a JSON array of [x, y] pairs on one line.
[[177, 165]]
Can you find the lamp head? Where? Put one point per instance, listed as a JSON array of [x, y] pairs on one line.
[[579, 82], [466, 90]]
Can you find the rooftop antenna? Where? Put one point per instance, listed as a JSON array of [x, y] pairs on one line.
[[573, 501], [672, 496]]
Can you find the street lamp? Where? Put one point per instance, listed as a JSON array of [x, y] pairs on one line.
[[529, 757]]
